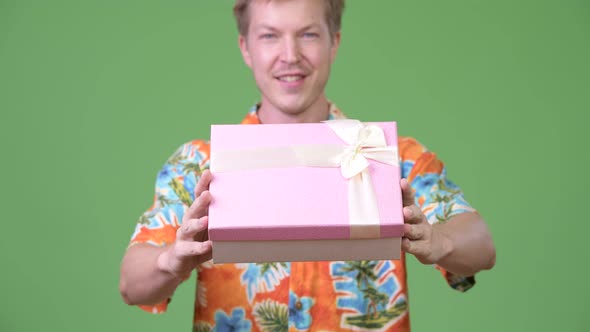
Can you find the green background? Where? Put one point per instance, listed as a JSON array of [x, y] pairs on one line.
[[95, 95]]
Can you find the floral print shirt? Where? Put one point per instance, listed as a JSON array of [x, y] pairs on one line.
[[299, 296]]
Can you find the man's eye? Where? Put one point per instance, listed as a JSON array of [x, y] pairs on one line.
[[267, 36], [310, 35]]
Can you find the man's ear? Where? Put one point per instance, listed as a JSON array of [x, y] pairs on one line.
[[335, 45], [244, 49]]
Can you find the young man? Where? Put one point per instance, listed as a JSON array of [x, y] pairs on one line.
[[290, 46]]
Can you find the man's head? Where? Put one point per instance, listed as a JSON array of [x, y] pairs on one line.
[[332, 13], [290, 46]]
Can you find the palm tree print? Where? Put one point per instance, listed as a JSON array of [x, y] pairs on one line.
[[365, 271], [272, 316], [192, 167], [202, 327], [181, 192], [163, 200], [445, 198], [265, 267], [447, 211], [176, 158], [375, 298], [144, 219], [438, 198], [377, 315], [442, 185]]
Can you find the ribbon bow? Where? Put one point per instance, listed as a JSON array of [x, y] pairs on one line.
[[364, 142]]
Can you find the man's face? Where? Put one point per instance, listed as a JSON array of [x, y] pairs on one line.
[[290, 51]]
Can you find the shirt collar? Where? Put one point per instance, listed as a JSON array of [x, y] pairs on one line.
[[252, 116]]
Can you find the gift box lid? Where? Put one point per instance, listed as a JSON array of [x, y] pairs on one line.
[[291, 202]]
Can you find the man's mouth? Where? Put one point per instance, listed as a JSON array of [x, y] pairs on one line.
[[290, 78]]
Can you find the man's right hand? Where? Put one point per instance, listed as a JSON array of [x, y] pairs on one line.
[[192, 246]]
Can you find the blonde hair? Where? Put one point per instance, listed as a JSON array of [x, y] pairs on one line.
[[333, 15]]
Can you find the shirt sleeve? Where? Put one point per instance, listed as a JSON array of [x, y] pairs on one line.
[[437, 196], [174, 193]]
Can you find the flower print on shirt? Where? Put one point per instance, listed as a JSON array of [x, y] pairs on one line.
[[234, 323], [299, 315], [262, 277]]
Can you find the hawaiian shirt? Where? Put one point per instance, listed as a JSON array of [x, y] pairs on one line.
[[299, 296]]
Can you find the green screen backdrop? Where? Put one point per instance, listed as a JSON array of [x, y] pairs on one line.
[[95, 95]]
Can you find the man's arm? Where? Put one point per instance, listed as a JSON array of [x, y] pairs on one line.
[[149, 274], [462, 245], [470, 245], [142, 281]]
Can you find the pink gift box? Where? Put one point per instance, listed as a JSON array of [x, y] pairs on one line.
[[291, 212]]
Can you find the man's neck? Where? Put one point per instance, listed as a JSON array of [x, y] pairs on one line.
[[317, 112]]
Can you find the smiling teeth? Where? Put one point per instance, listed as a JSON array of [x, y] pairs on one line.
[[290, 78]]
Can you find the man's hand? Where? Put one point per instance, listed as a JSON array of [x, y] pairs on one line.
[[421, 239], [150, 274], [192, 246]]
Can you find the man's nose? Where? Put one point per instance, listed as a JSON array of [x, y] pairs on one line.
[[290, 52]]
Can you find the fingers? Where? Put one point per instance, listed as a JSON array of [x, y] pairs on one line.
[[415, 232], [425, 243], [206, 256], [407, 193], [186, 249], [413, 215], [190, 228], [203, 183], [416, 248], [200, 206], [187, 253], [181, 258]]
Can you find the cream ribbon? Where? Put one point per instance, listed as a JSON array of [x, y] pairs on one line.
[[363, 141]]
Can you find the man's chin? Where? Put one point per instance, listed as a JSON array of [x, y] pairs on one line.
[[292, 107]]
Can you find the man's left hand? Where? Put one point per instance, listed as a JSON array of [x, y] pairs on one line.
[[421, 239]]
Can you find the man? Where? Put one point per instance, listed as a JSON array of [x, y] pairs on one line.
[[290, 46]]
